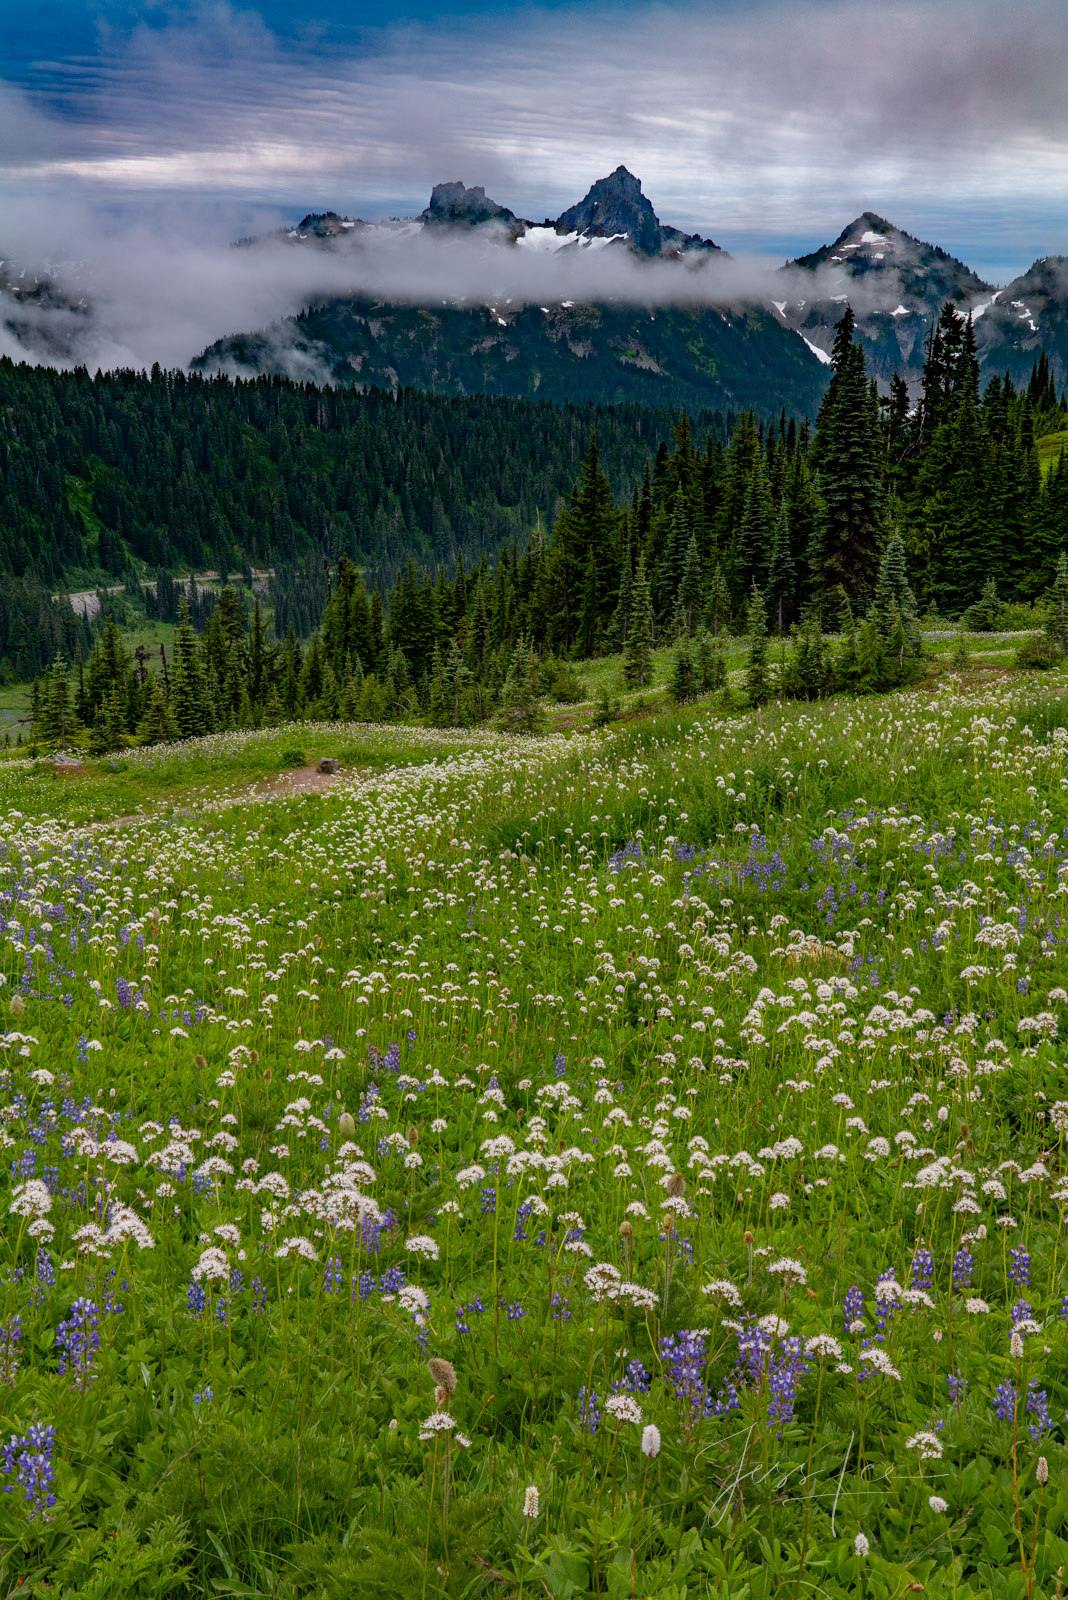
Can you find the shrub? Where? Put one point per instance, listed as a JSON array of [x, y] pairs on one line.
[[1037, 652]]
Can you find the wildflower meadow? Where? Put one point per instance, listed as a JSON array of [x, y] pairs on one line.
[[624, 1164]]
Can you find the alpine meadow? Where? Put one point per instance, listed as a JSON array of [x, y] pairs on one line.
[[534, 800]]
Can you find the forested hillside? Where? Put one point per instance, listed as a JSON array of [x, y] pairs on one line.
[[696, 357], [100, 473], [855, 526]]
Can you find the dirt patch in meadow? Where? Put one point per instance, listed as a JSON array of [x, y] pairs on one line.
[[300, 780]]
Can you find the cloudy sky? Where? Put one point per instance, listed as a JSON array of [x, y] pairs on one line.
[[766, 124]]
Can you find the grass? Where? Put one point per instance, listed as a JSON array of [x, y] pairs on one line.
[[609, 1068], [1049, 449]]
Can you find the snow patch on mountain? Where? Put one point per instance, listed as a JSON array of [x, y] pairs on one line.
[[821, 355]]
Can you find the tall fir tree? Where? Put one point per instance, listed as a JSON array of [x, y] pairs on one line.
[[757, 680], [847, 455], [638, 656], [782, 577]]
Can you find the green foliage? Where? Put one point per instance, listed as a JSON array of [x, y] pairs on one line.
[[809, 672], [637, 657], [984, 615], [173, 471], [757, 680], [521, 708], [1037, 652], [685, 682], [1056, 602], [561, 682], [273, 1441]]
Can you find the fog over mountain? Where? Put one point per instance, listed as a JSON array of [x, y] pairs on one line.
[[75, 290]]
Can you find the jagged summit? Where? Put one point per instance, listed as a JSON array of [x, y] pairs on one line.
[[872, 244], [896, 284], [616, 208], [325, 225], [454, 203]]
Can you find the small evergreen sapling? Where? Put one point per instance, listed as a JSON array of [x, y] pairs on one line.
[[757, 683]]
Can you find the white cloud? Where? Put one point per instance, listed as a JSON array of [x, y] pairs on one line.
[[759, 121], [748, 116]]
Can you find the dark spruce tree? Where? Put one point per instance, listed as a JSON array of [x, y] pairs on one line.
[[847, 456]]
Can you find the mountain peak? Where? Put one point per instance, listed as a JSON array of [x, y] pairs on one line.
[[455, 203], [615, 207]]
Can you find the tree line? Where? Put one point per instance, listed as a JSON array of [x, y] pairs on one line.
[[857, 524], [104, 476]]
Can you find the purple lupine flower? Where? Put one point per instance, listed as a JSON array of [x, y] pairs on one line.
[[1038, 1409], [958, 1389], [589, 1410], [333, 1276], [963, 1267], [79, 1340], [1004, 1400], [728, 1399], [922, 1269], [635, 1380], [885, 1306], [853, 1307], [1022, 1311], [10, 1334], [683, 1354], [786, 1368], [1020, 1266], [29, 1456]]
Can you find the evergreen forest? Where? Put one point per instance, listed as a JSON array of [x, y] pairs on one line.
[[880, 514]]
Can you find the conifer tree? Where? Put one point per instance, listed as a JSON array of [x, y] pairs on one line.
[[330, 695], [982, 616], [521, 708], [689, 596], [1056, 621], [781, 573], [54, 719], [683, 685], [757, 683], [638, 656], [157, 726], [710, 664], [621, 617], [895, 603], [847, 455], [114, 723], [871, 669], [847, 662], [753, 548], [187, 679], [718, 607], [961, 653]]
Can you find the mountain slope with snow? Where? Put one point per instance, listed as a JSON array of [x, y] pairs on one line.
[[896, 285]]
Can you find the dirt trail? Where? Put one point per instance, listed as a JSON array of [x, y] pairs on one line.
[[298, 780]]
